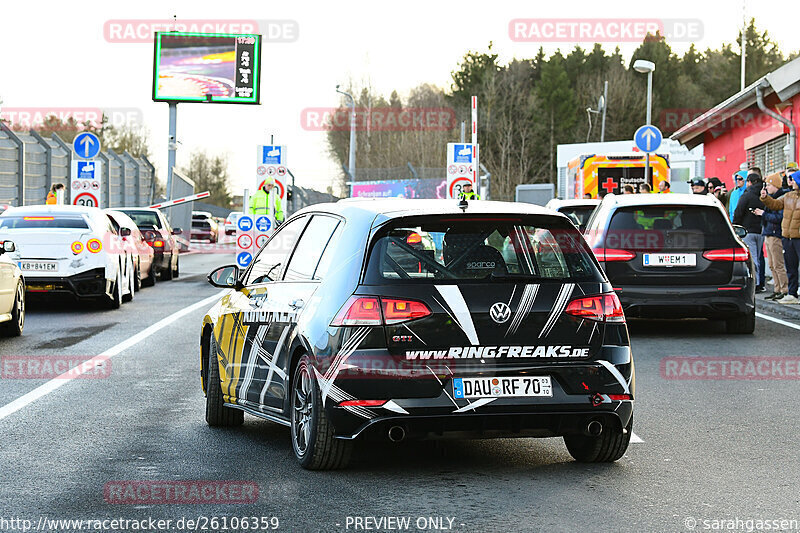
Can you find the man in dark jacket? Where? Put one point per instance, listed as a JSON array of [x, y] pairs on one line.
[[771, 223], [790, 230], [745, 215]]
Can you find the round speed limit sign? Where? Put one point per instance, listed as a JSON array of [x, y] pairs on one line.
[[86, 199], [457, 186]]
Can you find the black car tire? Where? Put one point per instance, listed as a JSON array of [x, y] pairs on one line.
[[607, 447], [217, 415], [115, 300], [312, 436], [166, 274], [14, 327], [150, 280], [742, 325], [137, 279]]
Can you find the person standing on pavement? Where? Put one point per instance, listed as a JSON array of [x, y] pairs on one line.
[[698, 186], [468, 194], [771, 223], [718, 189], [790, 232], [644, 188], [746, 215], [267, 201], [737, 192], [663, 187]]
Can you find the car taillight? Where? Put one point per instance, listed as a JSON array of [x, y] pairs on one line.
[[612, 254], [728, 254], [396, 311], [600, 308], [94, 245], [373, 311], [77, 247], [359, 311], [157, 244]]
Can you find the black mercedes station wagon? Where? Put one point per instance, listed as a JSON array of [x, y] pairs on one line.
[[420, 319]]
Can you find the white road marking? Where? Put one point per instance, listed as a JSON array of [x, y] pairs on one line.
[[88, 366], [636, 439], [778, 321]]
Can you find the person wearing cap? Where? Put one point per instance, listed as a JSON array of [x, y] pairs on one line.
[[698, 186], [748, 214], [771, 223], [468, 194], [267, 201], [739, 182], [790, 233]]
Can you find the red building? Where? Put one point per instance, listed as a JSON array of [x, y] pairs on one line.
[[757, 126]]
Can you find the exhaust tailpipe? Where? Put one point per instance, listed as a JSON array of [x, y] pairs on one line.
[[397, 434], [594, 428]]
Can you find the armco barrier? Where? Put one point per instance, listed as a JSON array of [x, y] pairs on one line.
[[31, 163]]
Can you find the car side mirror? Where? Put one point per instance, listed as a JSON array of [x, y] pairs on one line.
[[125, 232], [8, 246], [225, 277], [176, 231], [740, 231]]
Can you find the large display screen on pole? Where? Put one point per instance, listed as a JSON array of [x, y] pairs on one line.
[[207, 67]]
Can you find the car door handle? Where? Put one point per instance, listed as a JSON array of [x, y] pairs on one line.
[[296, 304]]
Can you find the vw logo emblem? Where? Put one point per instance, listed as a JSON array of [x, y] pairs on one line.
[[500, 312]]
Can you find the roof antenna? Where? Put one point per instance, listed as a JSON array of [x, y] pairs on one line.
[[463, 204]]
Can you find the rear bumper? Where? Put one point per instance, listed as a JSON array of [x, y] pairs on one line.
[[688, 301], [422, 400], [89, 284]]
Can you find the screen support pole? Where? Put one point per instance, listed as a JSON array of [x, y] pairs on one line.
[[172, 145]]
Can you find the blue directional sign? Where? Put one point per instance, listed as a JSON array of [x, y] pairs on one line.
[[648, 138], [462, 153], [245, 222], [87, 170], [86, 145], [263, 223], [243, 259], [271, 155]]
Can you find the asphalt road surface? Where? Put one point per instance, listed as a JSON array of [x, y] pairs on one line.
[[708, 449]]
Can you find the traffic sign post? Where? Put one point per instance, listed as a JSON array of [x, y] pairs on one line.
[[647, 138], [271, 162], [461, 161], [86, 145], [244, 240], [86, 182]]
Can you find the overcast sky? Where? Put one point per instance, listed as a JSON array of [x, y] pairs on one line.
[[54, 54]]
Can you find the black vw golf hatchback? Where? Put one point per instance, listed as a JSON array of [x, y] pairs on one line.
[[420, 319]]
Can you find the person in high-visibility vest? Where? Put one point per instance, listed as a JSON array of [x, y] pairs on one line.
[[52, 196], [468, 194], [267, 201]]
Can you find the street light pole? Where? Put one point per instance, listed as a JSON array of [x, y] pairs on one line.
[[352, 156], [643, 66]]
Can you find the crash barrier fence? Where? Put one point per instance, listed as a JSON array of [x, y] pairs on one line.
[[30, 164]]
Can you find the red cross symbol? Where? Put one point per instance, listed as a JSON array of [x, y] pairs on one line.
[[609, 185]]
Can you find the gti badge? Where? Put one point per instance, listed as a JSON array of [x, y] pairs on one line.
[[500, 312]]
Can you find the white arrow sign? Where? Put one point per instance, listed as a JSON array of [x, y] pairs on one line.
[[87, 143], [649, 134]]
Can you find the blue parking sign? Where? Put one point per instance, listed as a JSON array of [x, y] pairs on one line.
[[243, 259], [263, 223], [245, 222]]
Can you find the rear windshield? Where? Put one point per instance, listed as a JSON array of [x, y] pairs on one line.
[[579, 214], [144, 219], [669, 226], [43, 222], [432, 249]]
